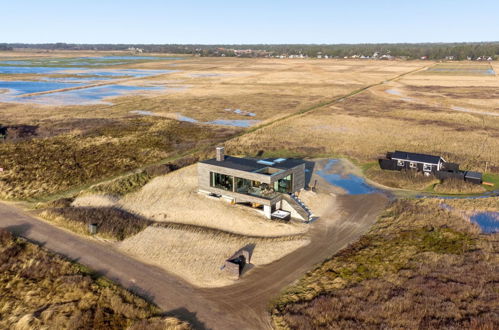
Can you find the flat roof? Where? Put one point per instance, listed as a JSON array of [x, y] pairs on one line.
[[252, 164]]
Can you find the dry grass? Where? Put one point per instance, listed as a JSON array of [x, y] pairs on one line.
[[174, 198], [454, 186], [474, 205], [365, 126], [197, 255], [40, 290], [270, 88], [111, 222], [419, 267], [41, 166], [400, 179]]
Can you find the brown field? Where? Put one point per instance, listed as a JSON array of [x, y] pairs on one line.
[[201, 88], [40, 290], [419, 267], [417, 116]]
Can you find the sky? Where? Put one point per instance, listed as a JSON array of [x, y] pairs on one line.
[[247, 22]]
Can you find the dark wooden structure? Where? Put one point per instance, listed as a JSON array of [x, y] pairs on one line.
[[234, 266], [429, 165]]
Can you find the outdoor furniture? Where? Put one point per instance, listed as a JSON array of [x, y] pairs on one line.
[[281, 215]]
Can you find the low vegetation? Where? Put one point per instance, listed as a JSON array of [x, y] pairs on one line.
[[133, 182], [365, 126], [111, 222], [400, 179], [36, 167], [413, 180], [455, 186], [420, 266], [40, 290], [481, 204]]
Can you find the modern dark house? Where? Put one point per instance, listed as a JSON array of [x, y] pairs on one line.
[[429, 165], [270, 184]]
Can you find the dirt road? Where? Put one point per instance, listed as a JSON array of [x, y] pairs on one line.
[[241, 306]]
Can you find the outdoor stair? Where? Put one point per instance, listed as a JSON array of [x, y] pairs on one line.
[[302, 207]]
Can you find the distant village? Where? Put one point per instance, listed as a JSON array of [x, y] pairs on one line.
[[230, 52]]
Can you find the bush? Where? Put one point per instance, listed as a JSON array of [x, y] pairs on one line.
[[111, 222], [43, 291], [418, 267]]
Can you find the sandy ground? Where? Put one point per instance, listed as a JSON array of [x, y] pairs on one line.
[[95, 200], [174, 198], [197, 256]]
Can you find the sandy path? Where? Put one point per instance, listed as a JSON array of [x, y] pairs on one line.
[[241, 306]]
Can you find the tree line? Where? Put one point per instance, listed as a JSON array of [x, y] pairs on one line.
[[459, 51]]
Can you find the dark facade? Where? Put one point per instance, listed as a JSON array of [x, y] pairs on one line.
[[428, 164], [400, 160]]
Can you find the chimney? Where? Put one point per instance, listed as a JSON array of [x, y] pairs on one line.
[[220, 154]]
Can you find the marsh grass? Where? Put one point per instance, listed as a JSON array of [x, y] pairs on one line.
[[111, 222], [454, 186], [401, 179], [367, 125], [418, 266], [41, 290], [129, 183], [41, 166]]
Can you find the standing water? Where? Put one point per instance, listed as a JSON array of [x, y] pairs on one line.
[[352, 184], [487, 221]]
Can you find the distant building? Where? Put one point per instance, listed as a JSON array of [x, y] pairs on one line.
[[428, 164]]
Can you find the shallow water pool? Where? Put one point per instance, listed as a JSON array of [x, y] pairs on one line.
[[487, 221], [352, 184], [234, 122], [28, 87], [91, 95]]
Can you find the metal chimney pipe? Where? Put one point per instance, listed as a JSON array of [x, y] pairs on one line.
[[220, 154]]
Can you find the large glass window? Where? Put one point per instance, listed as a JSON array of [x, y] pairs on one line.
[[221, 181], [284, 185], [243, 186], [254, 188]]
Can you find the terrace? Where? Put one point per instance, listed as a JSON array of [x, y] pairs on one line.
[[246, 180]]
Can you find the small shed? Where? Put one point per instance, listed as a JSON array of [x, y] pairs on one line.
[[234, 266], [473, 177], [92, 228]]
